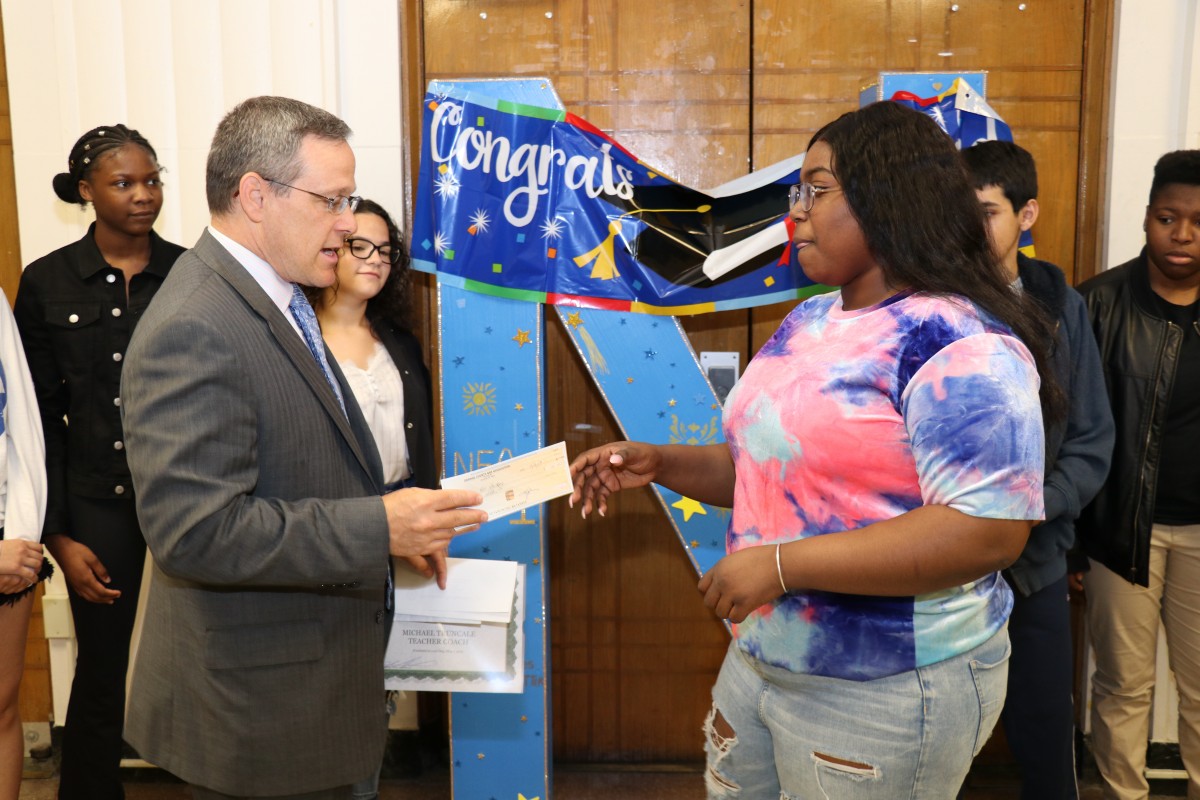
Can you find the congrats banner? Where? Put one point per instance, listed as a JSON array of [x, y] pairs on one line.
[[533, 203]]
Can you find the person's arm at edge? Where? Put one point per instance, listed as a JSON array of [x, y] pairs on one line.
[[701, 472], [52, 399]]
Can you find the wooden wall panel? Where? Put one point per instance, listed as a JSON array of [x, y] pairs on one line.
[[1035, 63], [10, 240], [707, 92], [35, 698]]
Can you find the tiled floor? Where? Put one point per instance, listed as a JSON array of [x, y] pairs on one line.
[[572, 783]]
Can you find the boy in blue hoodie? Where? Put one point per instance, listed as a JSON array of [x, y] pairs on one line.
[[1038, 716]]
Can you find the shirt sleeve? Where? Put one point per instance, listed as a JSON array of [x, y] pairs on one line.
[[23, 479], [974, 419]]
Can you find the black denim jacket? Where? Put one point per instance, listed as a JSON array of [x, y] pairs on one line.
[[75, 325]]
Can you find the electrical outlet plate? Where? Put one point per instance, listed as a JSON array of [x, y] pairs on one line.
[[56, 617], [35, 733], [722, 369]]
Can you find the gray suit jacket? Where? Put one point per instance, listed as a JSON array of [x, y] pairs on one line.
[[260, 669]]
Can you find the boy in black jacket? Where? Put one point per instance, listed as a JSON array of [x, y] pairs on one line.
[[1038, 717], [1142, 532]]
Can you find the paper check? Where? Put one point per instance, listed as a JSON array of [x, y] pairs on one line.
[[519, 482]]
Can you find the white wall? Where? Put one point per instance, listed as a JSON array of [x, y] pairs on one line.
[[1155, 109], [171, 69]]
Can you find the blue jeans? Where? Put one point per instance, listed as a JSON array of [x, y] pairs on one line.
[[775, 733]]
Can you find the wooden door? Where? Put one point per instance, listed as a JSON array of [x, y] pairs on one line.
[[708, 92]]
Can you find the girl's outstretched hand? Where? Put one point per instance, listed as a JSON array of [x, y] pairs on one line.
[[603, 470]]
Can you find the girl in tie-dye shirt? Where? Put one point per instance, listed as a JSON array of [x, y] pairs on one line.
[[884, 461], [914, 401]]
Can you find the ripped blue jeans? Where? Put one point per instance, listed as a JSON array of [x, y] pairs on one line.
[[775, 733]]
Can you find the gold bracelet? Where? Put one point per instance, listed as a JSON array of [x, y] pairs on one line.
[[779, 568]]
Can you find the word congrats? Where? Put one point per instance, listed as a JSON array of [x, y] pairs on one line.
[[474, 149]]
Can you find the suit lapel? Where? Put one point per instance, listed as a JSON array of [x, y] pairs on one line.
[[294, 348]]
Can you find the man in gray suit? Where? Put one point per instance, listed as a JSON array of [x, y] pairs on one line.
[[260, 667]]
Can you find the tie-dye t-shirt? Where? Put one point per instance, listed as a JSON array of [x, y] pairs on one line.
[[846, 418]]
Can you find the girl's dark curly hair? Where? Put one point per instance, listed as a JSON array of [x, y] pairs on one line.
[[87, 151], [908, 188], [393, 303]]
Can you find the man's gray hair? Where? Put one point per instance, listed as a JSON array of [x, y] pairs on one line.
[[263, 135]]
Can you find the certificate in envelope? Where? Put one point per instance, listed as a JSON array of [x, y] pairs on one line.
[[519, 482], [468, 638]]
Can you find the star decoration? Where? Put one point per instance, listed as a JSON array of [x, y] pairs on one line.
[[524, 718], [671, 402], [662, 414], [480, 756], [537, 561], [624, 321], [689, 507], [522, 338], [715, 406], [488, 329], [694, 543], [479, 221], [458, 361], [518, 407], [446, 186], [574, 320], [650, 354], [629, 379]]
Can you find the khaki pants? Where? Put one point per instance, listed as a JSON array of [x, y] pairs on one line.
[[1123, 620]]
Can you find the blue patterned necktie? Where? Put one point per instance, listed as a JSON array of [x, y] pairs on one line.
[[306, 318]]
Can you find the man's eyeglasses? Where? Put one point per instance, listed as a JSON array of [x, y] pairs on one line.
[[335, 205], [806, 194], [362, 248]]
